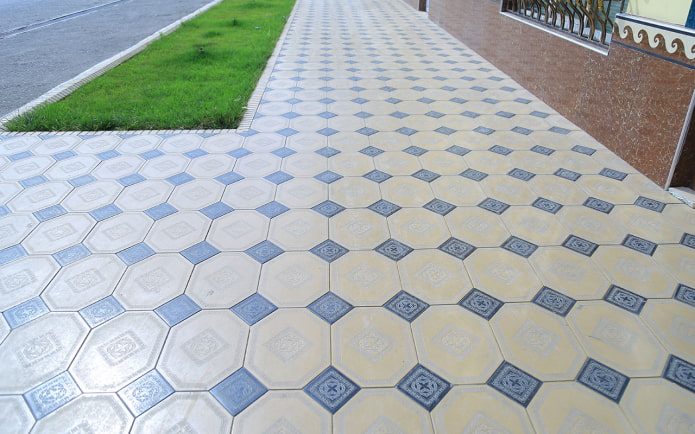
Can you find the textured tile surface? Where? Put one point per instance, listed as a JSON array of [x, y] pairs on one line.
[[405, 240]]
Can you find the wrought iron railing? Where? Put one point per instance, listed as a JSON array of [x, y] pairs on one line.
[[587, 19]]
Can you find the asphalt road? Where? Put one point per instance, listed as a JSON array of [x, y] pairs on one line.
[[44, 43]]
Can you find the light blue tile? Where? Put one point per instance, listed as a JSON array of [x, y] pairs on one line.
[[25, 312], [145, 392], [51, 395]]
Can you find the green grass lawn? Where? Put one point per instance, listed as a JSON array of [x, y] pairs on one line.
[[199, 77]]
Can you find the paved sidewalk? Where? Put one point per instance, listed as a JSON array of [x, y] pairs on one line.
[[404, 241]]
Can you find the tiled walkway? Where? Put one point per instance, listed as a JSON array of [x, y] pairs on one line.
[[405, 241]]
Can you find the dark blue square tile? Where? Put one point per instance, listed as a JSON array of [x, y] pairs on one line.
[[229, 178], [522, 130], [521, 247], [602, 379], [199, 252], [283, 152], [272, 209], [559, 130], [613, 174], [639, 244], [580, 245], [680, 372], [554, 301], [264, 251], [567, 174], [290, 115], [327, 115], [504, 114], [179, 179], [514, 383], [327, 152], [195, 153], [458, 150], [650, 204], [547, 205], [160, 211], [393, 249], [50, 212], [384, 208], [20, 156], [481, 304], [426, 100], [238, 391], [131, 179], [239, 153], [327, 131], [523, 101], [135, 253], [287, 132], [331, 389], [25, 312], [583, 150], [502, 150], [457, 248], [458, 100], [685, 294], [490, 100], [363, 115], [330, 307], [439, 206], [216, 210], [406, 131], [538, 149], [473, 174], [177, 310], [479, 88], [81, 180], [434, 114], [145, 392], [371, 151], [101, 311], [47, 397], [360, 100], [151, 154], [424, 387], [367, 131], [377, 176], [71, 254], [521, 174], [445, 130], [105, 212], [278, 177], [625, 299], [399, 115], [470, 114], [328, 208], [328, 177], [253, 309], [599, 205], [107, 155], [34, 180], [329, 251], [425, 175], [415, 150], [493, 205], [484, 130], [406, 306], [393, 100]]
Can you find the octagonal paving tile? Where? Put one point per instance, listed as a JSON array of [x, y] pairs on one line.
[[188, 411], [257, 165], [118, 167], [592, 225], [196, 194], [647, 224], [26, 168], [40, 350], [381, 410], [139, 143], [307, 142], [358, 229], [164, 166], [15, 413], [59, 233], [267, 142], [354, 192], [238, 230], [210, 166], [538, 342], [568, 406], [223, 280], [153, 281], [351, 164], [8, 190], [302, 192], [102, 413], [479, 409], [25, 278], [119, 351], [365, 278], [203, 350], [536, 226], [406, 191], [679, 260], [477, 226], [635, 271], [508, 190], [304, 164], [502, 274], [434, 276], [39, 197], [180, 143], [118, 233], [458, 191], [656, 405], [95, 145], [144, 195], [607, 189], [373, 347], [18, 144], [72, 167], [680, 215], [443, 163], [248, 193], [178, 231], [488, 162], [397, 163], [82, 283], [298, 229], [558, 189], [456, 344], [295, 279], [418, 228], [673, 323], [92, 196], [283, 411], [576, 161], [292, 346], [617, 338], [532, 161], [574, 274], [15, 227]]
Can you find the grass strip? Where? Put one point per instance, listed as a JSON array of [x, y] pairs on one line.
[[198, 77]]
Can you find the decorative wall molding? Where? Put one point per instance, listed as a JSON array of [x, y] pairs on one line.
[[659, 38]]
